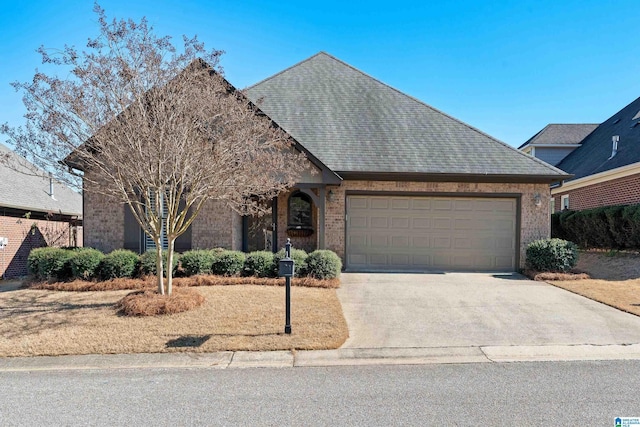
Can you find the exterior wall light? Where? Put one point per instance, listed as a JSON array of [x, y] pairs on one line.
[[537, 199], [331, 195]]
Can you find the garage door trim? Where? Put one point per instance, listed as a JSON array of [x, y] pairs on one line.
[[516, 196]]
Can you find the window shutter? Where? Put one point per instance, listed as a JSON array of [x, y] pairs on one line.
[[149, 244]]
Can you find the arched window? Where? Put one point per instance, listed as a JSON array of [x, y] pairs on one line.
[[299, 210]]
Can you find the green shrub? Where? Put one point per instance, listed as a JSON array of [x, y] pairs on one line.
[[119, 263], [631, 225], [554, 255], [33, 261], [259, 264], [50, 263], [613, 215], [299, 258], [228, 263], [609, 227], [148, 262], [197, 261], [323, 264], [85, 262]]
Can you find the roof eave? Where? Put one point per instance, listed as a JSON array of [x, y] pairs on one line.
[[40, 209], [451, 177]]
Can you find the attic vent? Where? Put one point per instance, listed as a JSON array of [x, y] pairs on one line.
[[614, 148], [616, 122], [51, 186], [637, 116]]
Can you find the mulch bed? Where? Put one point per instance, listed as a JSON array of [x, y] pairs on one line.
[[151, 303], [149, 283], [546, 276]]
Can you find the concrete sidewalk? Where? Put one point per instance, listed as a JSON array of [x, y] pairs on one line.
[[322, 358]]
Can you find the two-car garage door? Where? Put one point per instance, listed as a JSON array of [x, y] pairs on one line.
[[407, 233]]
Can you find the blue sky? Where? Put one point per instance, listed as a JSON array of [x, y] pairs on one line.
[[505, 67]]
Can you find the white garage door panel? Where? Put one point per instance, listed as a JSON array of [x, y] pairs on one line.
[[390, 233]]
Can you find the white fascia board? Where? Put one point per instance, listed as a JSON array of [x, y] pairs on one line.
[[598, 178]]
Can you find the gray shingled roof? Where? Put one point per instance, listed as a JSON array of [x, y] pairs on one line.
[[561, 134], [25, 191], [593, 154], [355, 123]]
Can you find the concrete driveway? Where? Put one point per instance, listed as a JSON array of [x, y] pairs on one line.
[[474, 309]]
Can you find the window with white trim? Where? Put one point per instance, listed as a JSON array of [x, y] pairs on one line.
[[564, 202]]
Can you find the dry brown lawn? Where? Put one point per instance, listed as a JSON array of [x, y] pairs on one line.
[[623, 295], [240, 317], [615, 280]]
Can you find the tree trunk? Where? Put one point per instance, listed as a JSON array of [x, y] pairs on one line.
[[170, 266], [159, 270]]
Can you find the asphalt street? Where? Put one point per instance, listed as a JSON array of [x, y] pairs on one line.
[[519, 394]]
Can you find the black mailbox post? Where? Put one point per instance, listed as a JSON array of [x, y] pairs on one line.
[[286, 269]]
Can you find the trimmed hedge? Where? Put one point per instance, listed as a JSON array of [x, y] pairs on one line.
[[119, 263], [258, 264], [228, 263], [85, 263], [50, 263], [299, 257], [554, 255], [609, 227], [323, 264], [148, 262], [197, 261]]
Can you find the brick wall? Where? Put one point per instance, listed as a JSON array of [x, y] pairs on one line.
[[103, 220], [216, 226], [621, 191], [534, 221], [26, 234]]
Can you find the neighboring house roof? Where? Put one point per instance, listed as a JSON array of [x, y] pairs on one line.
[[21, 189], [594, 154], [354, 124], [560, 134]]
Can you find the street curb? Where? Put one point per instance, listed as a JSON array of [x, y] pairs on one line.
[[324, 358], [390, 356]]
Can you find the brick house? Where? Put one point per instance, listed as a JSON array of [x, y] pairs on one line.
[[35, 211], [606, 166], [400, 186]]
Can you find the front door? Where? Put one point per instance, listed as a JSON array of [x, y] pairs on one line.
[[259, 232]]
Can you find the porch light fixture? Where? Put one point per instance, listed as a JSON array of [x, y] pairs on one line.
[[537, 199], [331, 196]]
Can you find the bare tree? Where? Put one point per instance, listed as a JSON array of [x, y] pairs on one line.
[[155, 128]]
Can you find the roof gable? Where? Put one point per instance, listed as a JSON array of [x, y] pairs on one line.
[[354, 123], [594, 154], [21, 189], [561, 134]]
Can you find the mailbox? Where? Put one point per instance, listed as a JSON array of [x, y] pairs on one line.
[[286, 267]]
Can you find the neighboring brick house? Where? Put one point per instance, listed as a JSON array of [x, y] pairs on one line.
[[556, 141], [606, 166], [35, 211], [400, 186]]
